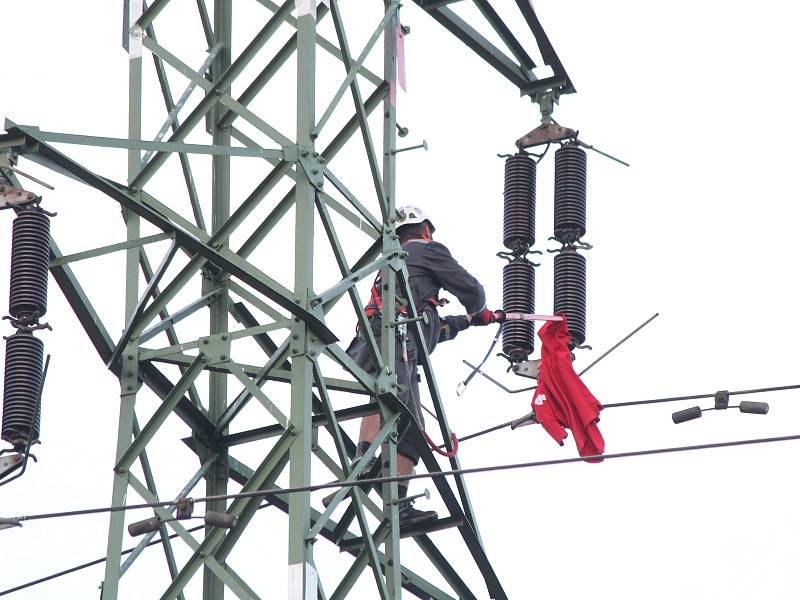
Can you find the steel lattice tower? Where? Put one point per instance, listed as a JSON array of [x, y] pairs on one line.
[[210, 263]]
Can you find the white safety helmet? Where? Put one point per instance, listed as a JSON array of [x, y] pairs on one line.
[[410, 215]]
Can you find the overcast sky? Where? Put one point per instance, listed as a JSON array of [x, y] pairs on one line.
[[700, 98]]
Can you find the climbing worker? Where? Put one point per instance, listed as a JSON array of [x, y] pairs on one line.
[[431, 267]]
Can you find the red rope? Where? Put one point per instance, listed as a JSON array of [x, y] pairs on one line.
[[436, 448]]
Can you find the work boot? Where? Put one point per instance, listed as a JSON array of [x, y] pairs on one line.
[[365, 474], [408, 514]]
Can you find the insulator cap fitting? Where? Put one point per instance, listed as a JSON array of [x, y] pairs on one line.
[[687, 414], [754, 408], [220, 519], [142, 527]]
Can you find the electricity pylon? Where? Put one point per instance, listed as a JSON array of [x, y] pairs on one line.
[[213, 261]]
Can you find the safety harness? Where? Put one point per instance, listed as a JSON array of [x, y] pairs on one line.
[[375, 304], [373, 309]]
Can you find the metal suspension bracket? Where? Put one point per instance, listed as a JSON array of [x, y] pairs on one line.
[[527, 368], [549, 131], [11, 196]]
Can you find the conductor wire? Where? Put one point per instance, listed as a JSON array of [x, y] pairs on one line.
[[412, 476]]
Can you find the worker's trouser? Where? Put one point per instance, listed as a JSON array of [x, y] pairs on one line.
[[406, 369]]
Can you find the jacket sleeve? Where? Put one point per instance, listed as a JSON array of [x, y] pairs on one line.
[[455, 278], [450, 326]]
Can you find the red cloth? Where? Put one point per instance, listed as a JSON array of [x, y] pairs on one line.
[[561, 399]]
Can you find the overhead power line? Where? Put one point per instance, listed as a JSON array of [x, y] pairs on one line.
[[399, 478], [780, 388]]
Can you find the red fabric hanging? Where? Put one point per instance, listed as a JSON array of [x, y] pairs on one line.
[[561, 399]]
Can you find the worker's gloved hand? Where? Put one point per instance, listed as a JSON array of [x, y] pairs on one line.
[[483, 317]]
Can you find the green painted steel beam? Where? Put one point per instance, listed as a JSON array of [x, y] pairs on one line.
[[224, 259], [360, 113], [166, 543], [281, 375], [224, 573], [224, 72], [214, 542], [172, 113], [344, 269], [326, 45], [414, 583], [305, 345], [145, 541], [133, 451], [151, 353], [165, 147], [102, 251], [356, 66]]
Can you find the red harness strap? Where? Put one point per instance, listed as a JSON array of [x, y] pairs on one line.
[[438, 450]]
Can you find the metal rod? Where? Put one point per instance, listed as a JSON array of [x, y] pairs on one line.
[[618, 344]]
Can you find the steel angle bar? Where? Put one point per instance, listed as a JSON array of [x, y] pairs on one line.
[[245, 318], [172, 116], [167, 213], [224, 259], [322, 10], [245, 515], [102, 251], [278, 375], [354, 572], [166, 543], [215, 90], [166, 93], [502, 30], [367, 381], [411, 531], [195, 479], [103, 344], [356, 66], [344, 269], [373, 101], [225, 573], [350, 280], [241, 400], [470, 529], [256, 392], [545, 47], [481, 46], [360, 112], [369, 255], [386, 429], [153, 353], [172, 336], [468, 532], [319, 420], [134, 322], [371, 227], [177, 316], [254, 300], [412, 582], [352, 199], [444, 567], [208, 29], [212, 97], [214, 542], [356, 493], [161, 413], [151, 12], [154, 146]]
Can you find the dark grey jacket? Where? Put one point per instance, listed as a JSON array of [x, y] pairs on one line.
[[432, 268]]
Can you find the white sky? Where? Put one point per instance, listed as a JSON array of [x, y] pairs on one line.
[[700, 98]]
